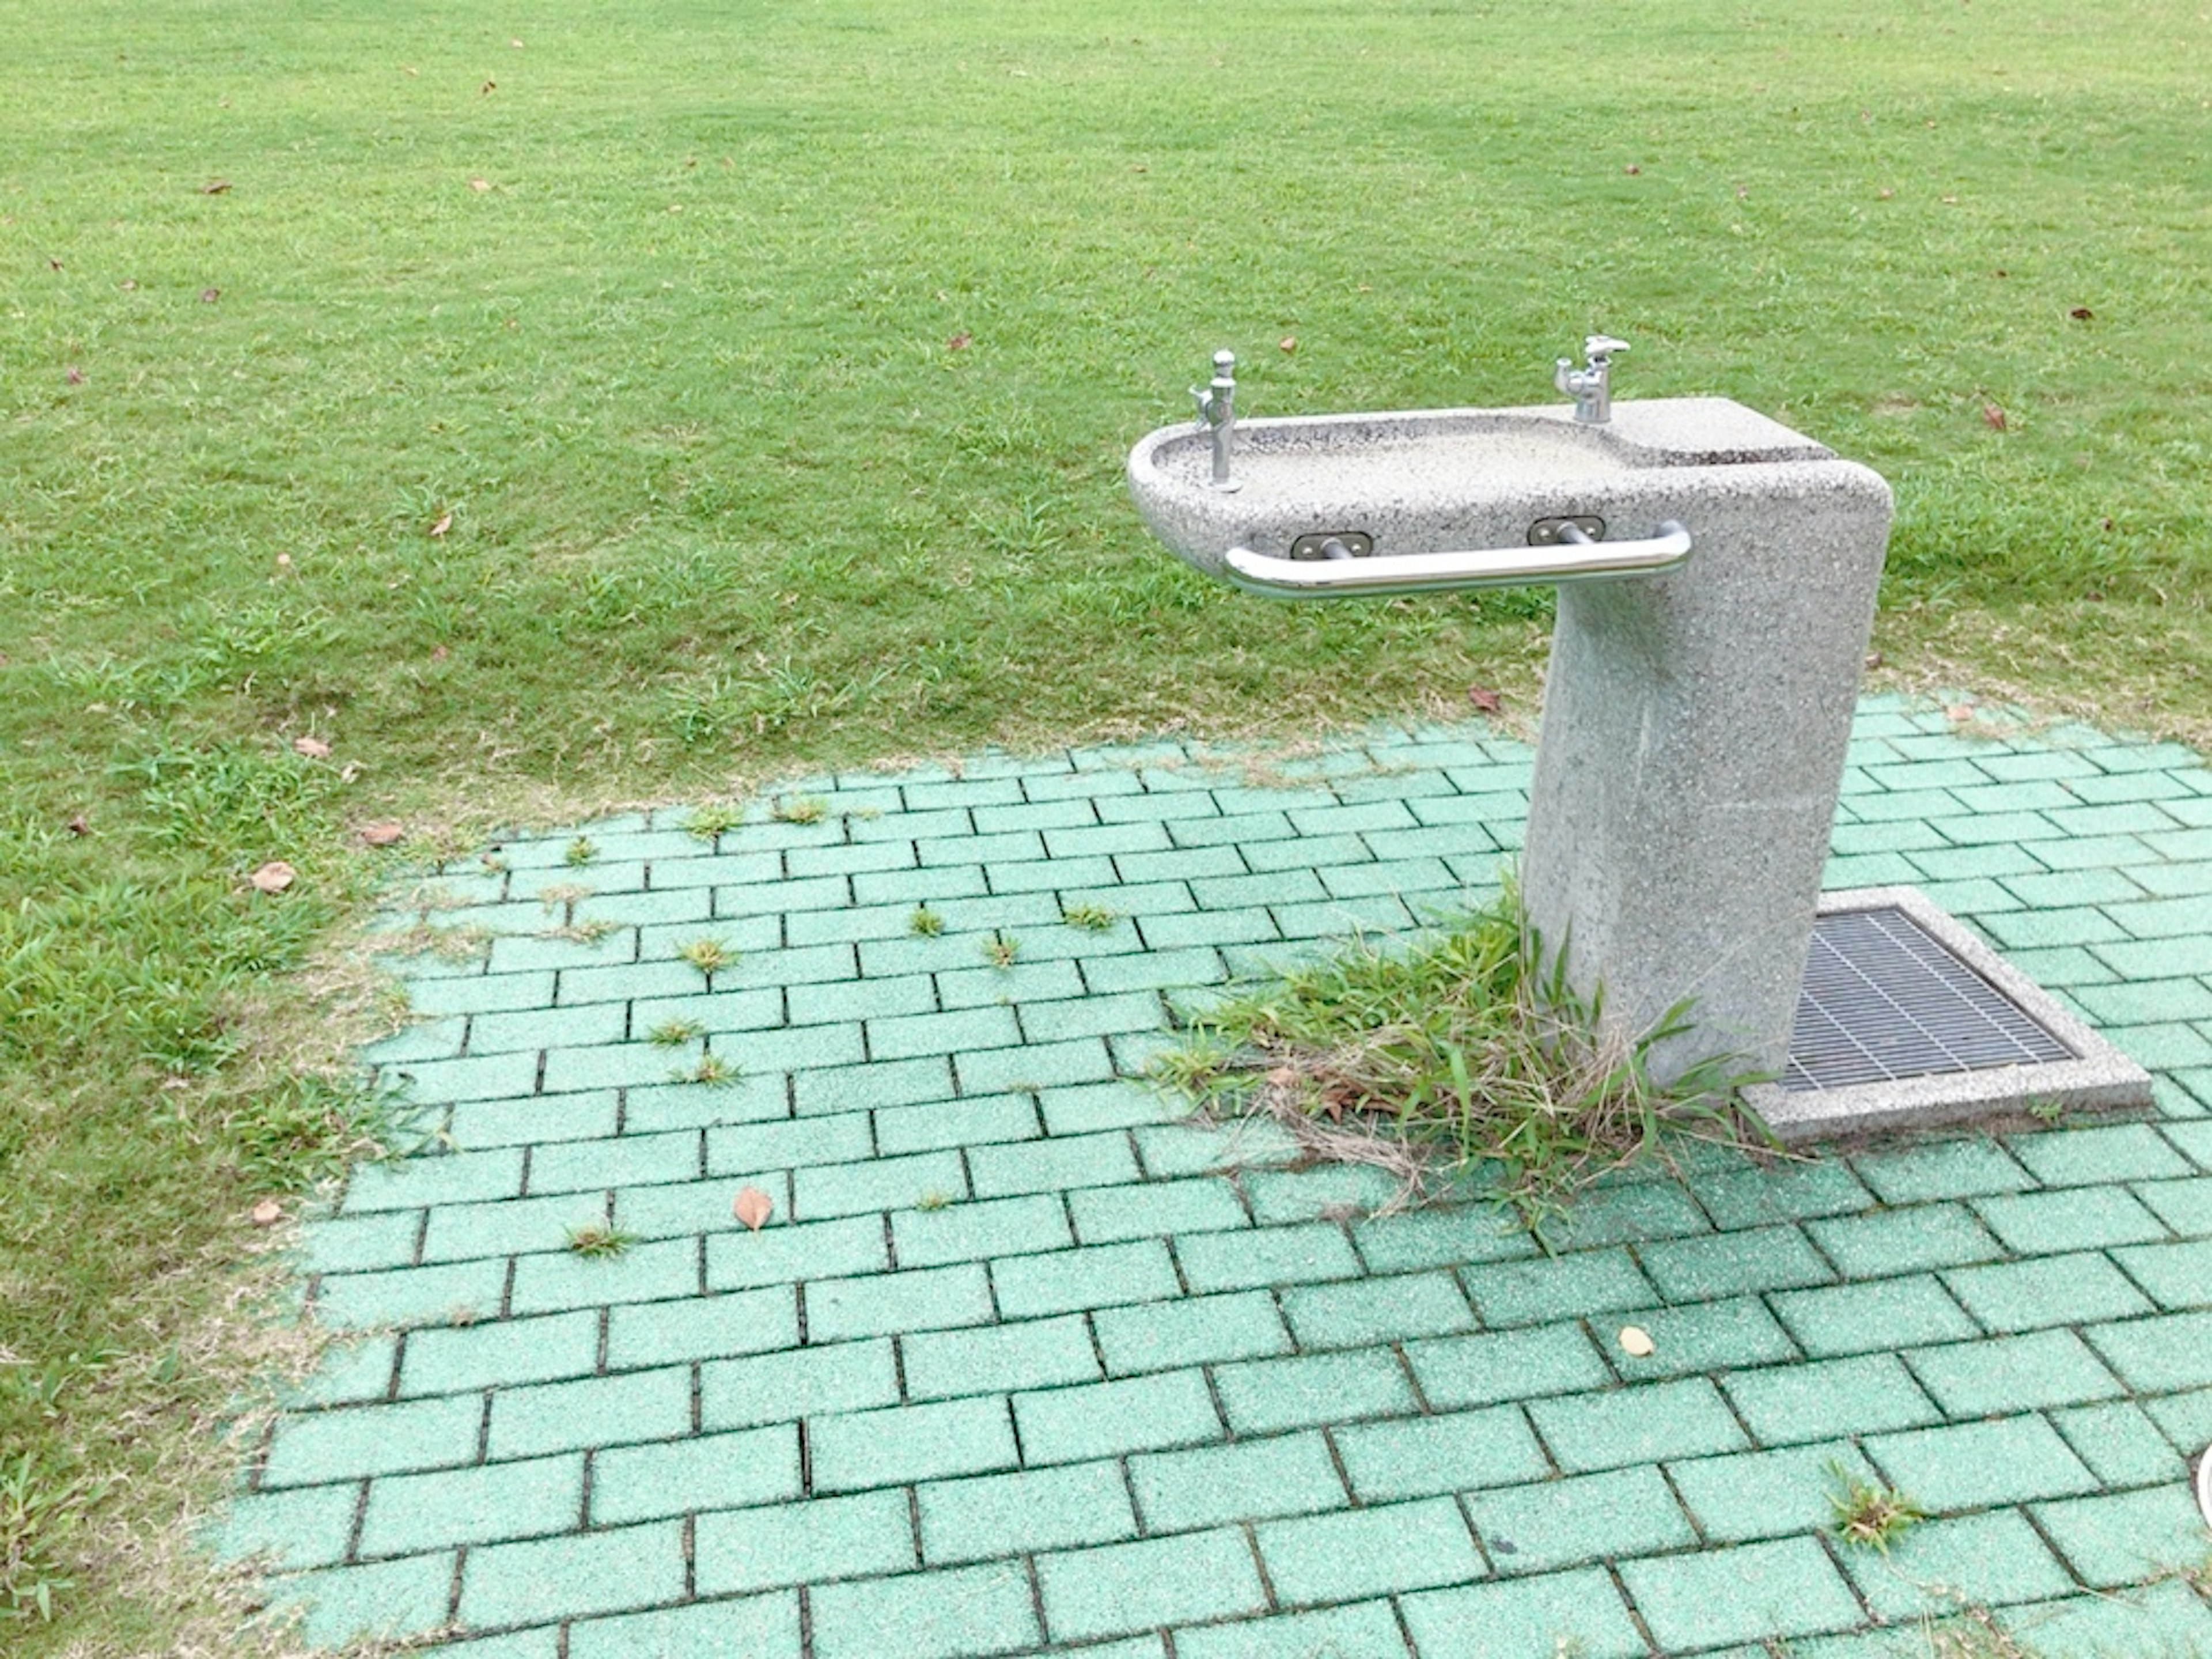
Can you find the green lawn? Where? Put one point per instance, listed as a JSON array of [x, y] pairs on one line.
[[768, 370]]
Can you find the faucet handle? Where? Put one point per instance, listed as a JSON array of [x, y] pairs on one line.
[[1599, 348]]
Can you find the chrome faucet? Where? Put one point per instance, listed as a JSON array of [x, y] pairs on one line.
[[1590, 385], [1217, 413]]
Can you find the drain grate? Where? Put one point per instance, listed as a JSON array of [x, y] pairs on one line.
[[1906, 1020], [1883, 1000]]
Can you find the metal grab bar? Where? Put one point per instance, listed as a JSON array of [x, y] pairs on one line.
[[1577, 558]]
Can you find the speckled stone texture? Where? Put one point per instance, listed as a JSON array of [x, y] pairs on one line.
[[1694, 722]]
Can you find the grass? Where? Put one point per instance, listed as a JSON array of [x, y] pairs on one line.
[[597, 1240], [650, 470], [1464, 1047]]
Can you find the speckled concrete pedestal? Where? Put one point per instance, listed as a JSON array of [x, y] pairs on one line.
[[1693, 735]]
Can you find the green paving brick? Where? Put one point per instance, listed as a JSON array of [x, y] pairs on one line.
[[1155, 971], [2000, 1374], [1191, 1147], [905, 1037], [347, 1444], [641, 1272], [456, 1178], [758, 1626], [2116, 1540], [1118, 1587], [500, 1352], [1522, 1364], [1441, 1236], [2184, 1206], [1937, 1567], [685, 1209], [1196, 1331], [1884, 1314], [1086, 1016], [1565, 1522], [582, 1573], [1576, 1613], [1747, 1594], [1210, 1486], [1554, 1287], [1105, 1215], [1418, 1456], [980, 1229], [1099, 1276], [778, 1254], [925, 1299], [625, 1161], [1704, 1336], [2077, 1218], [999, 1359], [1376, 1552], [1647, 1423], [481, 993], [953, 1614], [1376, 1310], [2164, 1621], [1734, 1264], [2120, 1442], [1051, 1166], [383, 1599], [2009, 1460], [409, 1296], [531, 1498], [787, 1142], [1792, 1403], [1627, 1212], [1750, 1197], [2146, 1003], [1034, 1067], [1363, 1628], [1941, 1169], [984, 984], [1325, 1192], [946, 1123], [2158, 1355], [360, 1243], [1018, 1514], [701, 1328], [589, 1116], [738, 1550], [1106, 1419], [1266, 1395], [1912, 1239], [348, 1372], [546, 1027], [1309, 1253], [883, 1184], [838, 1089], [593, 1410], [699, 1472], [2176, 1276], [300, 1527], [2059, 1290], [1767, 1494]]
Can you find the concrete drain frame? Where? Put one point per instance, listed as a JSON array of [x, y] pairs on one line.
[[2063, 1064]]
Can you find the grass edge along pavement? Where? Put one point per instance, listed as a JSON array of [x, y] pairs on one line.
[[1196, 1365]]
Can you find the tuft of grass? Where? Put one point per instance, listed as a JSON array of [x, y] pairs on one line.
[[579, 852], [709, 956], [674, 1033], [1458, 1049], [924, 921], [711, 1069], [714, 819], [1001, 950], [1092, 918], [800, 809], [596, 1239], [933, 1199], [1869, 1516]]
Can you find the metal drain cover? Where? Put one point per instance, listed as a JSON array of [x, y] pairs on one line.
[[1904, 1020]]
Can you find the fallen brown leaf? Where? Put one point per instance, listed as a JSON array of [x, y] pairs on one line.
[[1993, 417], [444, 524], [1486, 700], [383, 833], [479, 183], [752, 1207], [1284, 1077], [1631, 169], [1288, 342], [215, 187], [312, 747], [2081, 314], [267, 1212], [209, 295], [77, 826], [958, 342], [273, 877], [73, 375]]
